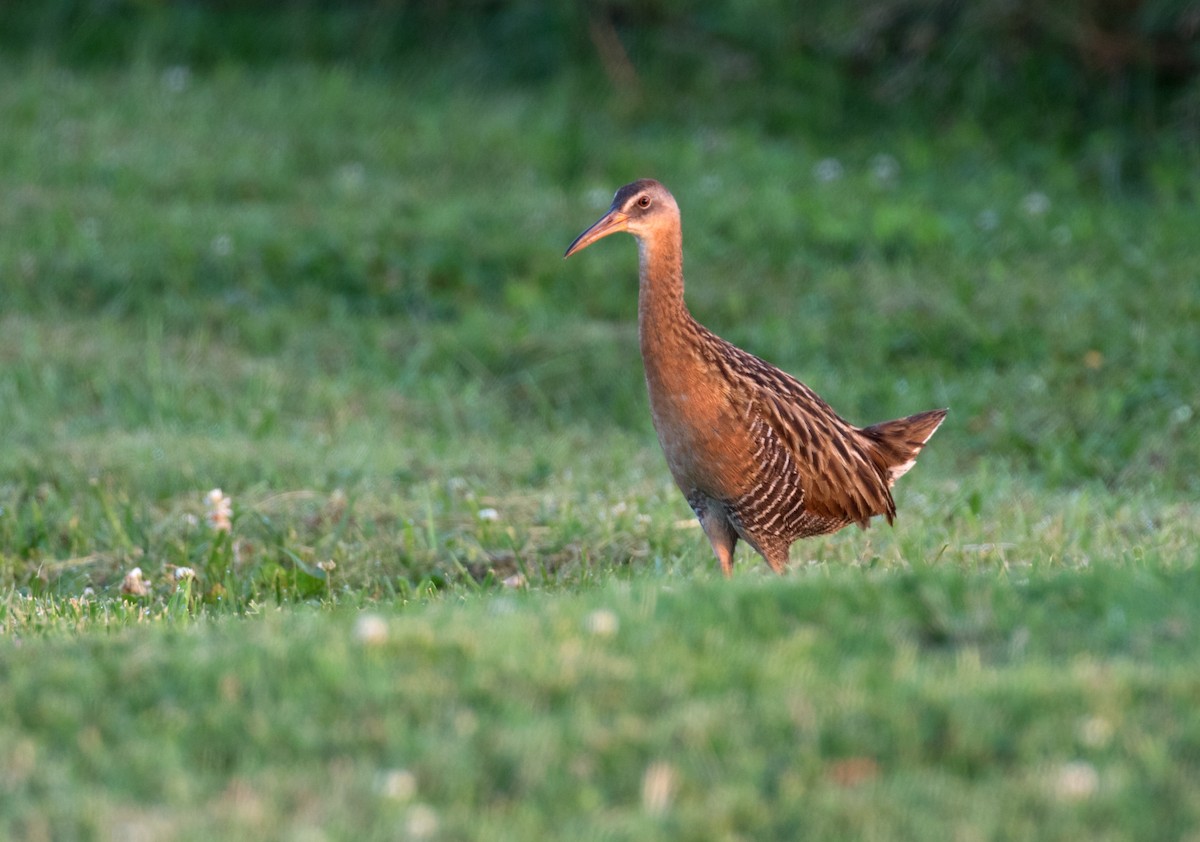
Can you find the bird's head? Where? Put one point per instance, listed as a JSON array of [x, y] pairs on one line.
[[641, 208]]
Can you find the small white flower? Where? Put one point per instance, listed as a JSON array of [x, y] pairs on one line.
[[1076, 781], [885, 168], [421, 822], [602, 623], [827, 170], [222, 245], [1181, 414], [175, 79], [1036, 203], [516, 580], [182, 573], [371, 630], [397, 784], [489, 514], [134, 583], [220, 510]]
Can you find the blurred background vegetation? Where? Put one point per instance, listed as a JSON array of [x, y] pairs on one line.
[[270, 246], [1031, 70]]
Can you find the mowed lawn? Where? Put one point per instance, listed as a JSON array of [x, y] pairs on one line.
[[458, 597]]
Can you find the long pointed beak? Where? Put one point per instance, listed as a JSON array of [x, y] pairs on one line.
[[610, 223]]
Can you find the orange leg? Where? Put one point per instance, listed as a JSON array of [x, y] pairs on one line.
[[777, 557], [722, 537]]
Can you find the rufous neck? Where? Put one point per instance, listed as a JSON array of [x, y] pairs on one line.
[[660, 275], [663, 319]]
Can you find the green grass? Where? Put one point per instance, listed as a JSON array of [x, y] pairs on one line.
[[339, 297], [833, 704]]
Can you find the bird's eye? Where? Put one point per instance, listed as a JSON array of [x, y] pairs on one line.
[[643, 201]]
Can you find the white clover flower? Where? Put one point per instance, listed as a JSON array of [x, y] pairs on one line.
[[1036, 203], [182, 573], [371, 630], [1076, 781], [397, 784], [421, 822], [220, 510], [134, 583], [602, 623], [489, 514], [885, 168], [827, 170], [176, 78]]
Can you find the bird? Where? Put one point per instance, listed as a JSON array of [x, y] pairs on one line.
[[758, 455]]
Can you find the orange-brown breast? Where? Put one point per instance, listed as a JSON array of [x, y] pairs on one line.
[[700, 421]]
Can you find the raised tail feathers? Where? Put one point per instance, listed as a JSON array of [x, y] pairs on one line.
[[895, 444]]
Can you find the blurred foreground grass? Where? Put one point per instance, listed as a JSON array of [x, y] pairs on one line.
[[833, 704]]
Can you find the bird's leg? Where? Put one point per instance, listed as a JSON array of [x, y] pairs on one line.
[[724, 555], [776, 555], [720, 534]]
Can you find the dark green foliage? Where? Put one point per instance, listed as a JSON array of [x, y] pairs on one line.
[[1051, 71]]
